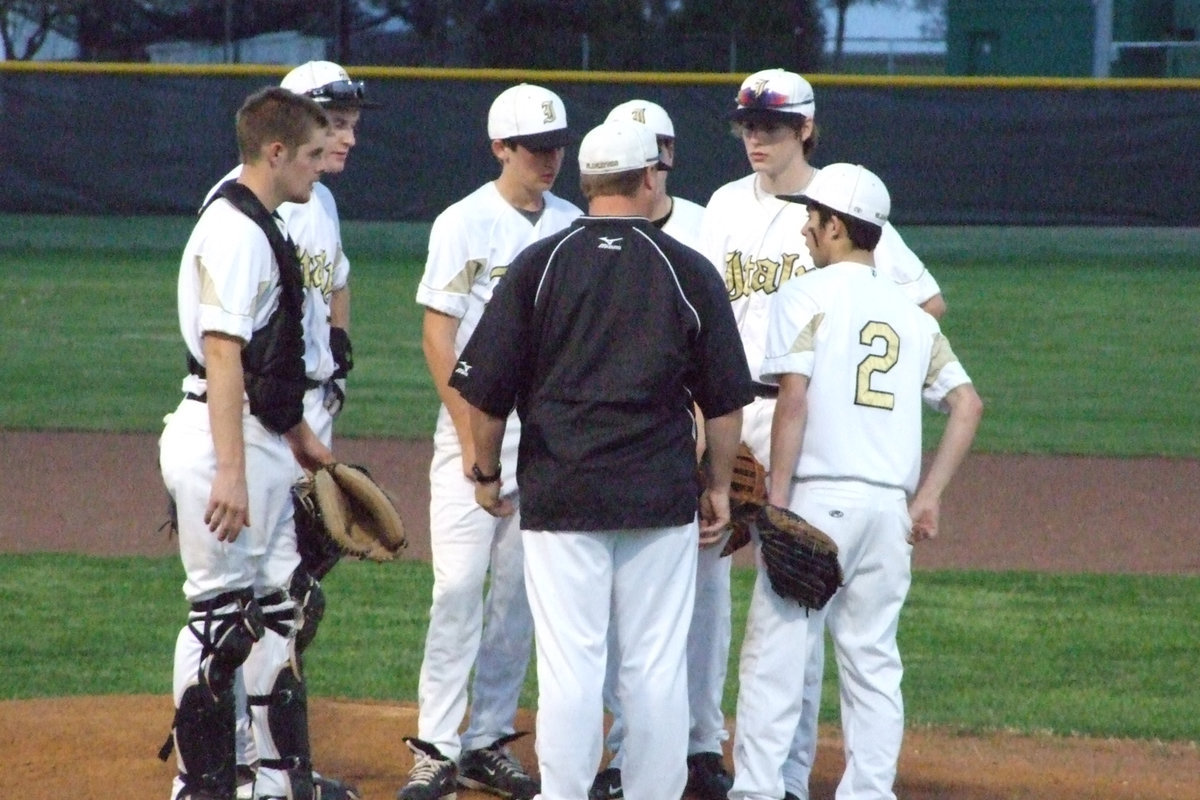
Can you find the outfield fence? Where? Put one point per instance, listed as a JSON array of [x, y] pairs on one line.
[[121, 139]]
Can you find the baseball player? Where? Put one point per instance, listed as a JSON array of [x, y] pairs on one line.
[[853, 359], [471, 245], [709, 634], [229, 455], [755, 240], [328, 356], [603, 337]]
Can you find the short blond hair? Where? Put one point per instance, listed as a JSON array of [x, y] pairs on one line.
[[625, 184]]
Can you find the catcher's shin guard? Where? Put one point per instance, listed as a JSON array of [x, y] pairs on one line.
[[203, 729], [310, 598], [287, 727]]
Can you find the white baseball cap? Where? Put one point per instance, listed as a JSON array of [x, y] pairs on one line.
[[617, 146], [531, 116], [774, 92], [328, 84], [849, 189], [649, 114]]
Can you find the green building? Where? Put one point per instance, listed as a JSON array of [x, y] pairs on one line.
[[1073, 38]]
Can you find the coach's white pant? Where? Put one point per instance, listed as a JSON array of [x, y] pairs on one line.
[[495, 635], [707, 661], [870, 526], [262, 557], [582, 584]]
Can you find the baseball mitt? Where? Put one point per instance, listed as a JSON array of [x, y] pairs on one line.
[[801, 561], [747, 494], [342, 511]]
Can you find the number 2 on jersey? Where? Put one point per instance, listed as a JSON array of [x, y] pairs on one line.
[[873, 332]]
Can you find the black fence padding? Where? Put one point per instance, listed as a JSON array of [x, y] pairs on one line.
[[129, 144]]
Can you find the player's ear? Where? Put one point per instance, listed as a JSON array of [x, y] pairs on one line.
[[650, 178], [274, 152]]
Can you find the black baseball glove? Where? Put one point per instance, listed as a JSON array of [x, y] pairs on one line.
[[801, 561]]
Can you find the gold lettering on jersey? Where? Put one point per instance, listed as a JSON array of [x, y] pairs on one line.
[[876, 363], [318, 272], [743, 276], [548, 114], [497, 272]]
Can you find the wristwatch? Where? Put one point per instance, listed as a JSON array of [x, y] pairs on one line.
[[481, 478]]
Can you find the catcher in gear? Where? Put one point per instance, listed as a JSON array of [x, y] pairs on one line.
[[342, 511]]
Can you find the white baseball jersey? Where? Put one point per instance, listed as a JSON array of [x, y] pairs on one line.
[[863, 346], [471, 245], [684, 223], [226, 263], [317, 233], [755, 240]]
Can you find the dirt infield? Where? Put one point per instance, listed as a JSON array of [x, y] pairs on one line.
[[1054, 514]]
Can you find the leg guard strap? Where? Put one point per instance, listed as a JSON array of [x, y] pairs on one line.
[[227, 627]]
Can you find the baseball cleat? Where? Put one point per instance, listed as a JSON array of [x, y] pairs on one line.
[[607, 785], [494, 770], [432, 774], [707, 778]]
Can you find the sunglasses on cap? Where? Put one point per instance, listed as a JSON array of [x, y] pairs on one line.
[[339, 92], [762, 98]]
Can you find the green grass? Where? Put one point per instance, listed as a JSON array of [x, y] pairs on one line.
[[1079, 340], [1106, 656]]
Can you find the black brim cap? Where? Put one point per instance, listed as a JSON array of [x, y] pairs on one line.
[[546, 140], [765, 115]]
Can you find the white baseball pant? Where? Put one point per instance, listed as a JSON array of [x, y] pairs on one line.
[[493, 635], [580, 583], [707, 661]]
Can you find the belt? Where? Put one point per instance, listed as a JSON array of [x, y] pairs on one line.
[[309, 383], [765, 389]]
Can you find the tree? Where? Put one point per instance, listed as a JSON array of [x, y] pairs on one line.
[[119, 30], [786, 34], [25, 24], [438, 24]]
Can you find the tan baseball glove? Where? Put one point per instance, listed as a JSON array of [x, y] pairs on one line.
[[342, 511]]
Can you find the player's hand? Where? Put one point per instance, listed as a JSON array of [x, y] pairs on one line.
[[228, 505], [714, 514], [925, 514], [335, 396], [487, 495]]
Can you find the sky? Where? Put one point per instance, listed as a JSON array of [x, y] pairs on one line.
[[882, 21]]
